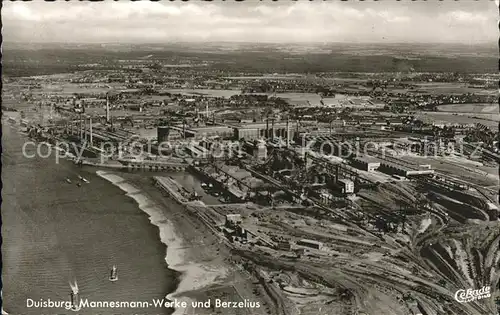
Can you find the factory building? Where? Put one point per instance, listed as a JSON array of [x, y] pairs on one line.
[[366, 163], [247, 133], [325, 196], [213, 131], [165, 134], [134, 107], [162, 133], [346, 185], [238, 234], [256, 148], [93, 102], [268, 130], [233, 220], [284, 245], [401, 170], [357, 103], [310, 244]]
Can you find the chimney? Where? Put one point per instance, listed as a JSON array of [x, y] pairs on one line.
[[81, 127], [85, 128], [287, 133], [91, 140], [272, 126], [107, 108], [267, 127]]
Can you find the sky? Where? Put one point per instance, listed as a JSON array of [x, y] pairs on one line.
[[284, 21]]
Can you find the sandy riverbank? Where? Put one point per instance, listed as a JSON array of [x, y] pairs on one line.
[[191, 250]]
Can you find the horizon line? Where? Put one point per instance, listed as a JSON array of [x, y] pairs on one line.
[[485, 42]]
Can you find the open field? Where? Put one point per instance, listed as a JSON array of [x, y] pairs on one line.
[[204, 92], [53, 58], [490, 120], [484, 108], [451, 88]]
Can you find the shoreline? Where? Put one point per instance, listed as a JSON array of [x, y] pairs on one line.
[[182, 254], [69, 259]]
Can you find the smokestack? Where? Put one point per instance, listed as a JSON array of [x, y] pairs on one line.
[[91, 140], [272, 125], [206, 111], [287, 133], [81, 127], [267, 127], [85, 133], [107, 108]]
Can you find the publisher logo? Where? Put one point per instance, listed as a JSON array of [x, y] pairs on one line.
[[470, 295]]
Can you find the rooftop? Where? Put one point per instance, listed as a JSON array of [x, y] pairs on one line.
[[402, 167], [310, 241], [280, 124], [367, 159], [346, 181], [211, 128]]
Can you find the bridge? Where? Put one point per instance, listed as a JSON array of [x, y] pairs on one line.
[[153, 165]]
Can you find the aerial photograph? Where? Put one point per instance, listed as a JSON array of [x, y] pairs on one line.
[[250, 158]]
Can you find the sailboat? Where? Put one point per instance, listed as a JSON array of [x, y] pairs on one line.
[[75, 301], [114, 274], [74, 297]]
